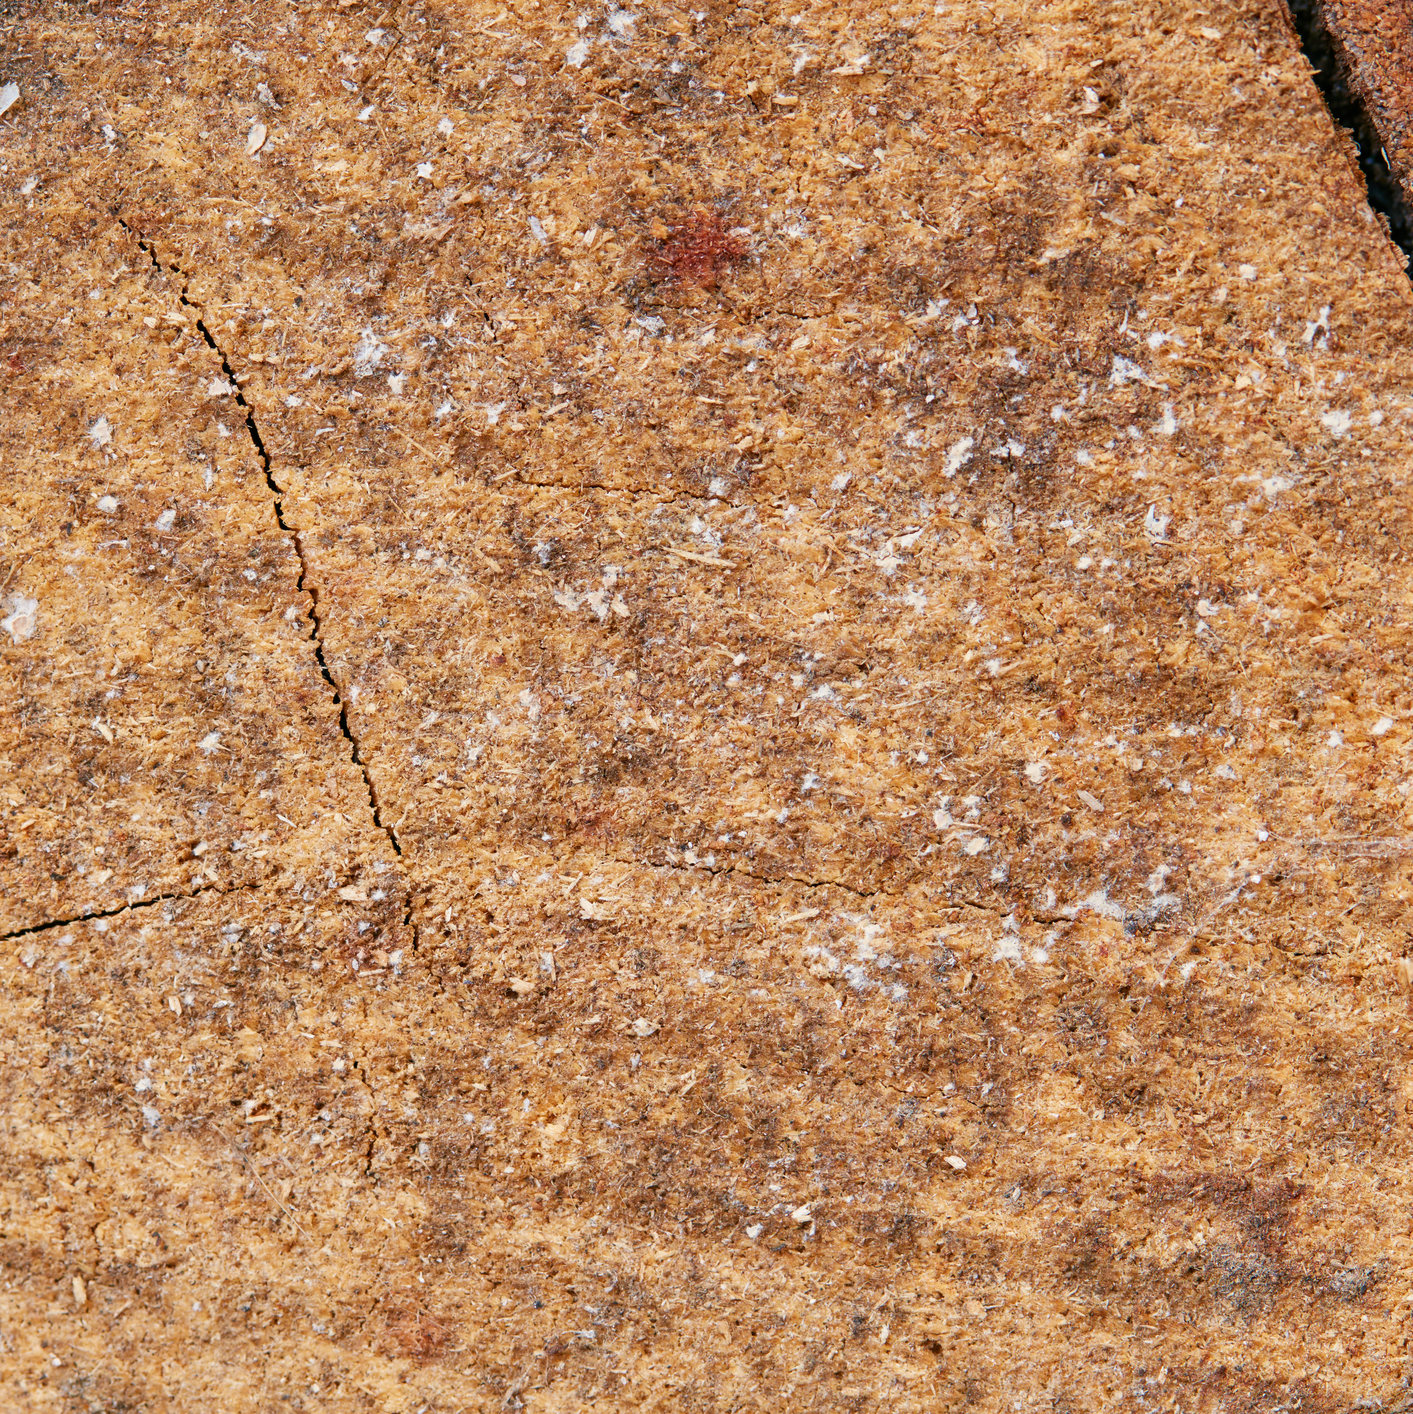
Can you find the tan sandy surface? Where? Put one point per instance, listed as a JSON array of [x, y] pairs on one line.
[[702, 709]]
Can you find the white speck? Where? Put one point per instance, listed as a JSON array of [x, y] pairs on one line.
[[1083, 563], [717, 486], [256, 139], [493, 412], [643, 1027], [576, 53], [810, 782], [755, 1230], [444, 127], [1126, 371], [397, 382], [653, 323], [219, 388], [1382, 726], [374, 36], [444, 409], [366, 113], [958, 455], [152, 1115], [1336, 421], [368, 353], [1208, 610], [101, 432], [1013, 362], [840, 481], [621, 23], [1168, 426], [955, 1161], [1035, 772], [210, 742], [1315, 325], [914, 598], [801, 1215], [166, 520], [1154, 525], [1092, 801], [977, 844], [1334, 739], [537, 230], [108, 504], [9, 96], [1247, 272], [1226, 772], [424, 170], [21, 621]]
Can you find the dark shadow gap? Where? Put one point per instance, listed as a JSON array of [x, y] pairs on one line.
[[1349, 112], [316, 627]]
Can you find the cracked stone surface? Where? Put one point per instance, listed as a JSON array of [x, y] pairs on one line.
[[805, 807]]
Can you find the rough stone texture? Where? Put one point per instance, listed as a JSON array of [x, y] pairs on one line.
[[836, 578], [1372, 44]]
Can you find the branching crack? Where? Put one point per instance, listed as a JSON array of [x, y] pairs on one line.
[[316, 627], [131, 907]]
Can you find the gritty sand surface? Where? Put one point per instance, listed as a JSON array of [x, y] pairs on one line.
[[699, 710]]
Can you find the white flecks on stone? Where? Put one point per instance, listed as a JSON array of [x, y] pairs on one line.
[[977, 844], [493, 412], [1008, 949], [577, 53], [255, 139], [100, 433], [365, 114], [368, 353], [654, 324], [802, 1215], [152, 1115], [1099, 902], [717, 487], [1126, 371], [1335, 739], [1168, 426], [167, 519], [809, 783], [396, 383], [914, 598], [755, 1230], [621, 23], [1035, 772], [444, 127], [9, 96], [644, 1028], [1247, 272], [1382, 727], [1206, 609], [538, 231], [1321, 321], [1155, 526], [1092, 801], [955, 1162], [22, 619], [1336, 421], [424, 171], [958, 455], [219, 388], [840, 481], [210, 742], [108, 504]]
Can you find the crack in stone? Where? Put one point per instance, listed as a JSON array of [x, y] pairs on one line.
[[316, 627], [130, 907]]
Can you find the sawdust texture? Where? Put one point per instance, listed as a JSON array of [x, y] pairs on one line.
[[741, 675]]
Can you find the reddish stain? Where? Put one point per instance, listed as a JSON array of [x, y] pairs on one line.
[[698, 249]]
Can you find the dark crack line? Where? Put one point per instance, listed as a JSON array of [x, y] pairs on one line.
[[132, 907], [1347, 108], [316, 626]]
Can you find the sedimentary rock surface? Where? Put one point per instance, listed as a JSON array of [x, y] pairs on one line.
[[702, 709]]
